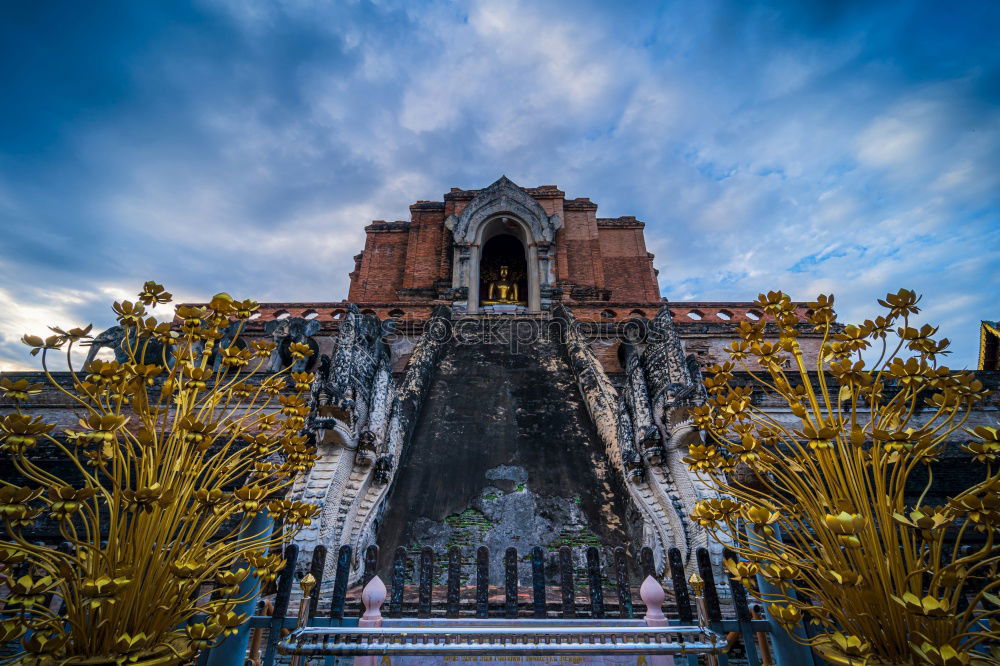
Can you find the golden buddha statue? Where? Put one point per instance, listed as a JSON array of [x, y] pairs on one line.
[[503, 289]]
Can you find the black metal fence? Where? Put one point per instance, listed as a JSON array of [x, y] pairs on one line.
[[609, 588]]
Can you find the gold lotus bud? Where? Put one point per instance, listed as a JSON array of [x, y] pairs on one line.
[[844, 523], [787, 615], [697, 584], [19, 390], [201, 635], [153, 292], [221, 303], [299, 351], [129, 643], [745, 572], [229, 621], [43, 642], [850, 645], [307, 583]]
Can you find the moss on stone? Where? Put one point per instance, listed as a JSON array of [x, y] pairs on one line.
[[576, 536]]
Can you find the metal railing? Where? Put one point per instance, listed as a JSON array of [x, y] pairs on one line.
[[608, 599], [404, 637]]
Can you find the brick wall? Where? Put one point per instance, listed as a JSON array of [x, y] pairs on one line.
[[425, 246], [383, 262], [597, 259], [628, 267]]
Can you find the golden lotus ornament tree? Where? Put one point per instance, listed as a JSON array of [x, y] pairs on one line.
[[178, 448], [818, 508]]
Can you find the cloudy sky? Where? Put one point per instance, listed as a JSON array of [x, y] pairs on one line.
[[240, 146]]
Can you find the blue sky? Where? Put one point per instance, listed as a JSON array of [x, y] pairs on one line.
[[851, 147]]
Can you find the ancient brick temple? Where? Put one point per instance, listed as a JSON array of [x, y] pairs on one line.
[[559, 248], [505, 372]]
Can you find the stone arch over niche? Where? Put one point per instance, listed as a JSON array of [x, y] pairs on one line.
[[502, 208]]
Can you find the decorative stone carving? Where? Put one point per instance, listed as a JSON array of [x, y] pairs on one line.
[[674, 385], [647, 438], [407, 400], [110, 338], [503, 196], [632, 461], [671, 385], [364, 455], [662, 526], [346, 381], [383, 470], [354, 394], [349, 404]]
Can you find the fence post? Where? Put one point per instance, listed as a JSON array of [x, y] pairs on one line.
[[646, 565], [340, 585], [711, 593], [681, 596], [698, 589], [743, 616], [368, 572], [307, 584], [566, 582], [285, 581], [510, 583], [624, 591], [232, 651], [398, 583], [454, 580], [372, 598], [596, 582], [482, 582], [538, 581], [316, 569], [426, 582], [652, 594]]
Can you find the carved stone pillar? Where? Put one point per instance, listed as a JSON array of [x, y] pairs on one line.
[[648, 440]]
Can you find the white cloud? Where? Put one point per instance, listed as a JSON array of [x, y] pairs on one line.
[[761, 155]]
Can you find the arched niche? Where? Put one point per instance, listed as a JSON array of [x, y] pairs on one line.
[[508, 235], [502, 208], [503, 251]]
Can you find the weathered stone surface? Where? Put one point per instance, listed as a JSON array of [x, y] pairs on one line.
[[504, 454]]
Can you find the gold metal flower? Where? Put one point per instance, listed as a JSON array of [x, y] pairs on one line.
[[19, 432], [27, 591], [101, 590], [18, 390], [153, 292], [65, 501], [787, 615], [299, 351]]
